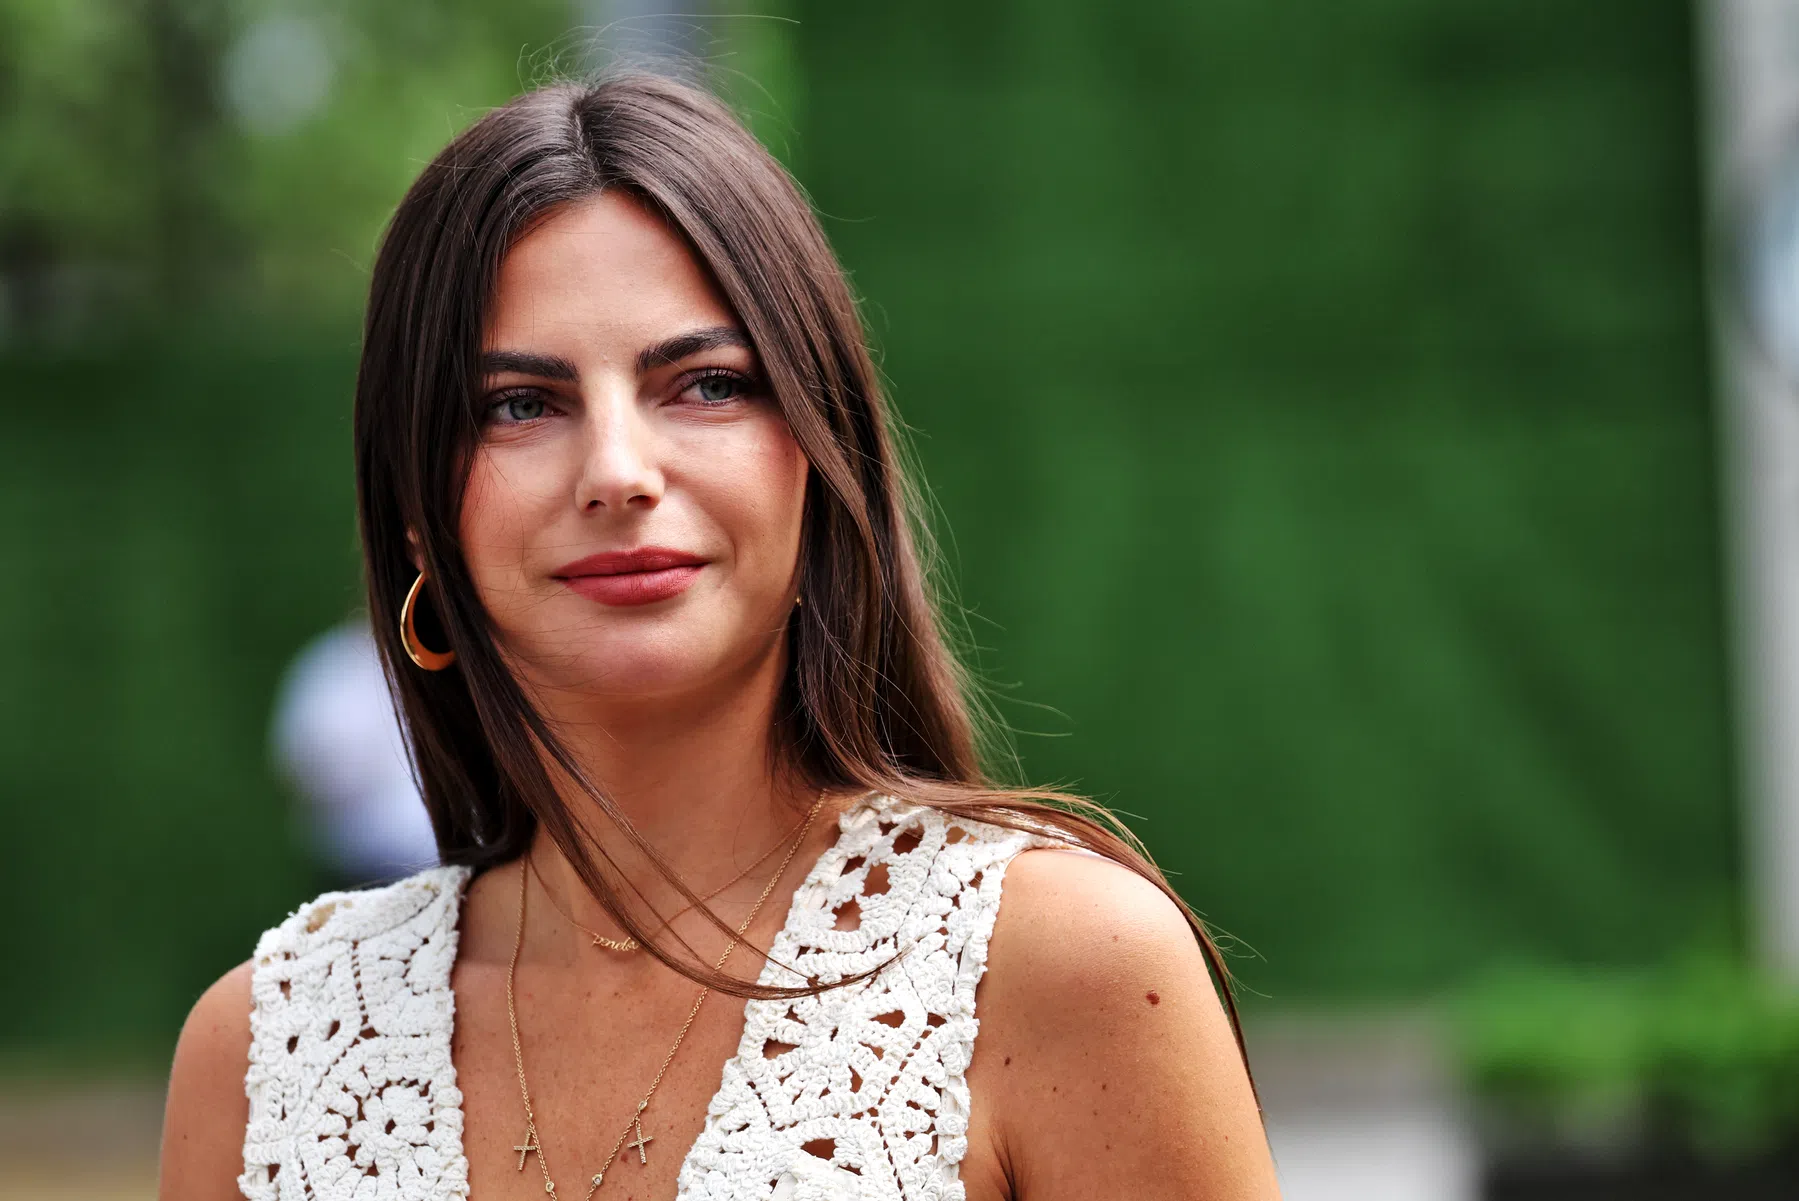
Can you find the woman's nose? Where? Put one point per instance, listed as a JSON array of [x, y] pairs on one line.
[[619, 471]]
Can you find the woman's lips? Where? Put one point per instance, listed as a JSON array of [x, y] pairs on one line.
[[634, 587], [632, 577]]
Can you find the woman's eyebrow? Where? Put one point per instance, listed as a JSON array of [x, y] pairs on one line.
[[673, 350], [669, 350], [544, 366]]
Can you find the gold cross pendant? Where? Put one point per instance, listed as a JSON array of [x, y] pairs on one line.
[[529, 1147], [642, 1141]]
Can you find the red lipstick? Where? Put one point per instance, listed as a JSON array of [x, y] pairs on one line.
[[632, 577]]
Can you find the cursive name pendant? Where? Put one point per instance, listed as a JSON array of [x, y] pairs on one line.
[[628, 944]]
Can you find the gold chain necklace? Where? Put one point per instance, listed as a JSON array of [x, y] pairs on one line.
[[631, 944], [533, 1145]]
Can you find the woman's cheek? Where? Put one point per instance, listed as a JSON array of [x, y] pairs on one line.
[[777, 510], [758, 489], [496, 521], [789, 470]]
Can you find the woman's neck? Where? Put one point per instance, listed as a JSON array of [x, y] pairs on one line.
[[698, 778]]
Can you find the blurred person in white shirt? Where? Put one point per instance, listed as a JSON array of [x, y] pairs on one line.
[[336, 735]]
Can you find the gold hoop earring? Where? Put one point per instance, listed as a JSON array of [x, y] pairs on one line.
[[430, 660]]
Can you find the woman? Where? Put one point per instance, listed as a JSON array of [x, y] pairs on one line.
[[640, 556]]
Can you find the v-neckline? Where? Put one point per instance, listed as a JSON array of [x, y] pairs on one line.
[[814, 877]]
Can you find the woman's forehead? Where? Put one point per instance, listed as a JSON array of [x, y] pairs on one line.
[[606, 269]]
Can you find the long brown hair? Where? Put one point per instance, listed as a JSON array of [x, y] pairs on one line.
[[873, 699]]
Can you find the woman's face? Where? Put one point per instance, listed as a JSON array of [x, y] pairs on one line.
[[633, 510]]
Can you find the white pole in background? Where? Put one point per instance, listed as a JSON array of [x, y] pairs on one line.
[[1749, 72]]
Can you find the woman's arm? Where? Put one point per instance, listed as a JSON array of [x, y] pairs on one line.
[[1104, 1051], [207, 1110]]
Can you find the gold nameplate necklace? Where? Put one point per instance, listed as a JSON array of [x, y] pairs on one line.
[[631, 944], [533, 1145]]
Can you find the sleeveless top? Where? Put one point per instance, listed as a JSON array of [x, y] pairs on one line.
[[863, 1094]]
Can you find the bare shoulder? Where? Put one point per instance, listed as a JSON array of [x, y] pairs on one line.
[[1079, 920], [1086, 948], [1104, 1048], [207, 1109]]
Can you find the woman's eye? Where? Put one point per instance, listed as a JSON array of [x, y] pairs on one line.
[[519, 408], [717, 389]]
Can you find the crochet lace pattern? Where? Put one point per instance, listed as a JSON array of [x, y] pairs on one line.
[[352, 1093], [859, 1092]]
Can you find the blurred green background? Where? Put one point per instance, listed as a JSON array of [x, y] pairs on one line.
[[1315, 405]]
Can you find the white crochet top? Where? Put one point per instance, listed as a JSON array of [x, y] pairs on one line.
[[855, 1093]]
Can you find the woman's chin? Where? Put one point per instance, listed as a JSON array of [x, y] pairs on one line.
[[684, 655], [631, 673]]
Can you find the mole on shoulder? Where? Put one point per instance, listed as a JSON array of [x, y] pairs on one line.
[[1153, 997]]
